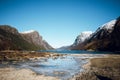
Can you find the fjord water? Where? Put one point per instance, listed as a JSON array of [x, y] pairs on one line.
[[76, 52]]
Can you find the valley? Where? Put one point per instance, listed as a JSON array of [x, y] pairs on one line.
[[90, 56]]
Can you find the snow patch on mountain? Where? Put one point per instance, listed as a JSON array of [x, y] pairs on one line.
[[109, 25], [26, 32], [82, 37]]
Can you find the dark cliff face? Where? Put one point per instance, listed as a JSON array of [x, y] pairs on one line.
[[106, 38], [115, 37], [11, 39], [34, 38]]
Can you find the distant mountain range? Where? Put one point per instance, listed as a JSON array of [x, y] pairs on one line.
[[105, 38], [11, 39]]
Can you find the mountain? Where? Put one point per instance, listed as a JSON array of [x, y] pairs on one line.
[[34, 38], [64, 48], [11, 39], [105, 38], [82, 37], [79, 39]]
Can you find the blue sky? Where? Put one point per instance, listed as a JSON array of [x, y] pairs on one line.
[[58, 21]]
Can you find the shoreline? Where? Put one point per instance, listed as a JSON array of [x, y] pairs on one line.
[[13, 73], [91, 69], [35, 57]]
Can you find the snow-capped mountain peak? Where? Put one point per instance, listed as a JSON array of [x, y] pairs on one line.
[[109, 25], [26, 32], [82, 37]]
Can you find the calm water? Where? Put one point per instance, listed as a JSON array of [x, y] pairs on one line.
[[77, 52]]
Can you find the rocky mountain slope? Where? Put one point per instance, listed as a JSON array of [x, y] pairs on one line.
[[11, 39], [105, 38], [34, 38]]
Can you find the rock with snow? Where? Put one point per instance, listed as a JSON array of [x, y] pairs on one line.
[[82, 37], [109, 25], [105, 38], [26, 32]]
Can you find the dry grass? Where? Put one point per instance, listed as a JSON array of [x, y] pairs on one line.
[[15, 56], [20, 55], [102, 69], [105, 63]]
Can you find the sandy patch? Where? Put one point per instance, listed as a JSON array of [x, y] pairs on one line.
[[22, 74]]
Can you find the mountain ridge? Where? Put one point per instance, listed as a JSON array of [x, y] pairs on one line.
[[11, 39], [82, 37], [32, 36], [105, 38]]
